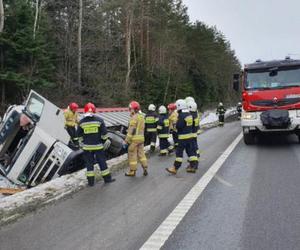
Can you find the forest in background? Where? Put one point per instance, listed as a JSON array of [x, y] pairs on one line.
[[110, 52]]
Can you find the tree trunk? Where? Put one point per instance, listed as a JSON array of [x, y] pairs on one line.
[[79, 43], [3, 84], [36, 18], [142, 29], [129, 18], [167, 85], [1, 16]]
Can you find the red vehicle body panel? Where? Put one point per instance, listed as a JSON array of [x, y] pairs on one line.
[[273, 95]]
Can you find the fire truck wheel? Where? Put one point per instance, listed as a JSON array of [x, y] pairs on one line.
[[249, 139]]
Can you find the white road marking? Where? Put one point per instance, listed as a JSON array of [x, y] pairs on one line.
[[221, 180], [163, 232]]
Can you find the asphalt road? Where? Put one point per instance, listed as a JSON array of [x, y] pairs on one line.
[[252, 203]]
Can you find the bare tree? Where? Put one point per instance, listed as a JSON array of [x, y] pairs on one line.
[[129, 21], [1, 16], [79, 43], [36, 17]]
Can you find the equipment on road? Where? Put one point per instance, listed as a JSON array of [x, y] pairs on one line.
[[271, 98]]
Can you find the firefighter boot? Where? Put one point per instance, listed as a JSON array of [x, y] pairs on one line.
[[145, 171], [152, 148], [91, 180], [189, 169], [108, 179], [172, 170], [130, 173]]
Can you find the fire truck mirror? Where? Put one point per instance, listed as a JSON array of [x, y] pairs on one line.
[[236, 82]]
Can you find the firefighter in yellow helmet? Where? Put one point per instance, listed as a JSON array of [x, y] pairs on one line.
[[71, 121], [173, 116], [135, 140]]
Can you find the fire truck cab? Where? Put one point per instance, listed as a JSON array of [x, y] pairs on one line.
[[271, 98]]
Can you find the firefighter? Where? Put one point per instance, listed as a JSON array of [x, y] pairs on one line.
[[221, 112], [239, 110], [94, 140], [184, 127], [173, 116], [196, 121], [135, 140], [71, 121], [151, 120], [163, 132]]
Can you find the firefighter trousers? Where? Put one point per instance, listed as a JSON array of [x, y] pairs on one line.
[[136, 153], [196, 147], [92, 157], [221, 118], [72, 133], [150, 138], [164, 146], [188, 146], [175, 138]]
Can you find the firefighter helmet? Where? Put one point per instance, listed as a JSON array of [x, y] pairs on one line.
[[193, 106], [189, 99], [151, 107], [162, 110], [89, 108], [134, 106], [181, 104], [172, 106], [73, 106]]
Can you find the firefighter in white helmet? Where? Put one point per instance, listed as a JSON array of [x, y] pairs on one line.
[[184, 127], [151, 120], [163, 131]]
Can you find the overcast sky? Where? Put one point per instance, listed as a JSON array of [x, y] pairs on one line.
[[265, 29]]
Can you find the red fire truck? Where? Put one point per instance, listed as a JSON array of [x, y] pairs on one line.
[[271, 98]]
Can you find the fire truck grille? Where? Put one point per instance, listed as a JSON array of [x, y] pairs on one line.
[[278, 103]]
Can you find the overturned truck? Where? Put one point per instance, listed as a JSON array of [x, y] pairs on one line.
[[34, 146]]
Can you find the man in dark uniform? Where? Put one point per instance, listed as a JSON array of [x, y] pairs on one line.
[[184, 127], [94, 140]]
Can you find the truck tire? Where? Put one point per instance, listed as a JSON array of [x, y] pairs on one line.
[[249, 139]]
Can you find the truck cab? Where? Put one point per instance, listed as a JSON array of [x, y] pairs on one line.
[[33, 142], [271, 98]]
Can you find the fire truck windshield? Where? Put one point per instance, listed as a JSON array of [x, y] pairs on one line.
[[272, 78]]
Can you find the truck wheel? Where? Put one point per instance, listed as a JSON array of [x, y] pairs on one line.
[[249, 139]]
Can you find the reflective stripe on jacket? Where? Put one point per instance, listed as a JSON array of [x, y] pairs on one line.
[[163, 126], [136, 129], [93, 132], [151, 120], [71, 118], [184, 125], [196, 122]]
